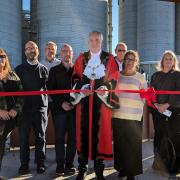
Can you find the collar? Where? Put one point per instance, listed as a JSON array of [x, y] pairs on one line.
[[50, 61], [32, 63], [120, 61], [96, 54]]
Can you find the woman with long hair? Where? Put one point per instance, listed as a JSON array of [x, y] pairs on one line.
[[166, 116], [10, 106]]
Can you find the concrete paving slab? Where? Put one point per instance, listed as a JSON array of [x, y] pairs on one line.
[[11, 164]]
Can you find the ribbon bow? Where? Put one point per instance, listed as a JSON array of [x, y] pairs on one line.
[[149, 95]]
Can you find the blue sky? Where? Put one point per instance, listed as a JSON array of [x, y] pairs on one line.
[[115, 24], [26, 5]]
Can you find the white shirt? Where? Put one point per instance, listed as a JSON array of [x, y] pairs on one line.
[[120, 64]]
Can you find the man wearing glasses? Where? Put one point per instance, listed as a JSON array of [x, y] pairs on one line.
[[120, 50], [33, 76]]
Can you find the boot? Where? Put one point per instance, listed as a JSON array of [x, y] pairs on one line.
[[82, 168], [99, 168], [81, 175]]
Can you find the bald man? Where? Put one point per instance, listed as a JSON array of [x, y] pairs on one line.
[[33, 76]]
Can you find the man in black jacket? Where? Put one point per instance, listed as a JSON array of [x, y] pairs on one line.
[[33, 76], [63, 112]]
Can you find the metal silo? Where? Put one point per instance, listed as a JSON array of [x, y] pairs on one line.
[[70, 21], [10, 30], [128, 23], [156, 27], [177, 31]]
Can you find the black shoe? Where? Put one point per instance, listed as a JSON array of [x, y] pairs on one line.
[[59, 170], [81, 176], [41, 168], [130, 178], [121, 176], [70, 170], [100, 177], [24, 169]]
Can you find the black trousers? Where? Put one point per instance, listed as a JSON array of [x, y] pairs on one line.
[[167, 128], [8, 127], [127, 137], [98, 165], [38, 121]]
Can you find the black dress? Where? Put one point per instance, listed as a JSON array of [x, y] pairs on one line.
[[167, 129]]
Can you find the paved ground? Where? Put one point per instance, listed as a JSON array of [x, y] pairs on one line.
[[11, 165]]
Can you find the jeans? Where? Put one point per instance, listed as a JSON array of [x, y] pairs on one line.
[[65, 122]]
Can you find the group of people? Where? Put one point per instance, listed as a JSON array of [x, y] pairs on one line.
[[92, 116]]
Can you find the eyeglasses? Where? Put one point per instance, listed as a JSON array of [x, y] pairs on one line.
[[121, 50], [65, 51], [30, 48], [2, 57], [129, 59]]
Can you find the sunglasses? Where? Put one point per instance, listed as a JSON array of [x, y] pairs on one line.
[[121, 50], [2, 56]]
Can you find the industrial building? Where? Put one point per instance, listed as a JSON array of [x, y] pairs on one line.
[[10, 29], [150, 27], [61, 21]]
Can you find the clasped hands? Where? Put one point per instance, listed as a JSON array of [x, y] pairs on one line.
[[162, 107], [101, 93], [7, 115]]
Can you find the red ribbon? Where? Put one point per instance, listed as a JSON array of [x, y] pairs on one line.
[[149, 94]]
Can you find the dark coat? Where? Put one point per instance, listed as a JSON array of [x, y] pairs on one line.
[[13, 83]]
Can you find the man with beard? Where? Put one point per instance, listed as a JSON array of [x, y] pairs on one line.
[[34, 77], [63, 112]]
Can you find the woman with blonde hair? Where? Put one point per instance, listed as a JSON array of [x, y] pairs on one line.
[[166, 116], [175, 65], [10, 106], [127, 121]]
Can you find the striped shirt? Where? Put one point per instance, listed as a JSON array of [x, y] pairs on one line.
[[131, 104]]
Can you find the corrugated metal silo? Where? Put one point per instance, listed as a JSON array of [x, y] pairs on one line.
[[156, 27], [70, 21], [128, 23], [177, 31], [156, 31], [10, 30]]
